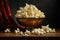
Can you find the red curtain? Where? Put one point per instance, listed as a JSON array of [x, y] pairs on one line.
[[6, 19]]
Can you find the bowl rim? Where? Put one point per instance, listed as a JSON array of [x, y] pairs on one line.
[[30, 18]]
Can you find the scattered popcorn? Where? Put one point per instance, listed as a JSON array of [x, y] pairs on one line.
[[21, 33], [50, 29], [16, 31], [36, 31], [18, 11], [38, 28], [47, 26], [41, 33], [32, 32], [53, 30], [7, 30], [47, 31], [42, 30], [29, 11], [27, 32]]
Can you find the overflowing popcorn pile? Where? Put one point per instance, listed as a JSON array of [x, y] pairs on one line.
[[36, 31], [29, 11]]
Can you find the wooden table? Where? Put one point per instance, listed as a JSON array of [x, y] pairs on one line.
[[18, 36]]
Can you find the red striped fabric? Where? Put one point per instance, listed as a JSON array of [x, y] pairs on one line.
[[9, 21]]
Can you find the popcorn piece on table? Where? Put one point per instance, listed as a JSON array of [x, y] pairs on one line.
[[42, 30], [32, 32], [38, 31], [18, 30], [47, 31], [53, 30], [7, 30], [35, 31], [21, 33], [27, 32], [50, 29], [41, 33], [45, 27]]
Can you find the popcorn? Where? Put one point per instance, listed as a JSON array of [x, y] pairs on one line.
[[27, 6], [18, 15], [53, 30], [47, 26], [7, 30], [21, 8], [43, 30], [29, 11], [18, 11], [41, 33], [32, 32], [37, 31], [16, 31], [50, 29], [47, 31], [21, 33], [27, 32]]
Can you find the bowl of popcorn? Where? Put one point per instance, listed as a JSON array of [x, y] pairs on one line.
[[29, 15]]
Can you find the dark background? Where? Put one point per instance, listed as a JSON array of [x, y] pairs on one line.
[[49, 7]]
